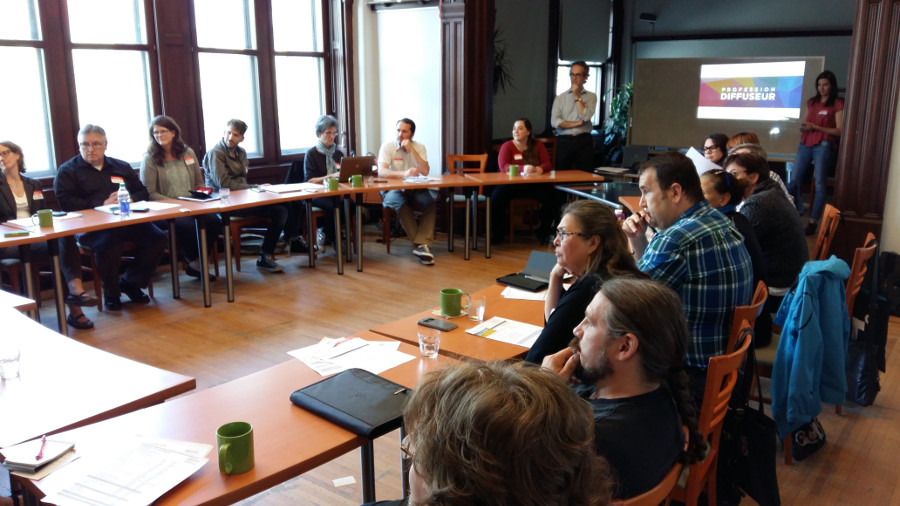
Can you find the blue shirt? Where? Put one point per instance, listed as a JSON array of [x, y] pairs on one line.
[[702, 257]]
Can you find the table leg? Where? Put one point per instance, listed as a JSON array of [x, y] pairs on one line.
[[53, 247], [359, 233], [173, 260], [450, 221], [468, 222], [487, 226], [346, 203], [338, 243], [25, 258], [367, 465], [229, 273], [203, 247], [310, 232]]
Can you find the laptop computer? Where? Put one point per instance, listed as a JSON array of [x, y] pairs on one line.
[[536, 275], [634, 156], [353, 165]]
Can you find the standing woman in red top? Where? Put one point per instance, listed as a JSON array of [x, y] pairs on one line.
[[818, 144]]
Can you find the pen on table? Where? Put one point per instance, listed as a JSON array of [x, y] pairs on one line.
[[40, 454], [348, 351], [400, 391]]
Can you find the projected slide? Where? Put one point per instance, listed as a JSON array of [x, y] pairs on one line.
[[751, 91]]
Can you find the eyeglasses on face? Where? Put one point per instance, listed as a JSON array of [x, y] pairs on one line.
[[576, 74], [562, 235], [407, 452], [161, 131], [710, 149], [5, 152], [91, 145]]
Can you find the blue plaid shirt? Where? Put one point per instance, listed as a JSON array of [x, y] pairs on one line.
[[702, 257]]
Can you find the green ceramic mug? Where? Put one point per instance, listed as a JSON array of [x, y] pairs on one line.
[[331, 184], [235, 443], [356, 181], [513, 170], [451, 301], [44, 218]]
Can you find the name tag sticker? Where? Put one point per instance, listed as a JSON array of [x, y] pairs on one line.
[[38, 195], [823, 113], [189, 160], [116, 180], [517, 156]]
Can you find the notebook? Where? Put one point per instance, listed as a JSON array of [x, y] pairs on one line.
[[353, 165], [536, 275], [357, 400], [23, 456]]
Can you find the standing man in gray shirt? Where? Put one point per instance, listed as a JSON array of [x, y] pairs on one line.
[[571, 116]]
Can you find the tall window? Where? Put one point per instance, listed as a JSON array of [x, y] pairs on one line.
[[25, 119], [299, 71], [110, 59], [229, 76]]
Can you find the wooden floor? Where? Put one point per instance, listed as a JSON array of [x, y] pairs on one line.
[[276, 313]]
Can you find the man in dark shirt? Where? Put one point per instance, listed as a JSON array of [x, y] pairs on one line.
[[628, 355], [92, 179]]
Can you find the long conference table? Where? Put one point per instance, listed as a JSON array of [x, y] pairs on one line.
[[64, 384], [289, 441], [92, 220]]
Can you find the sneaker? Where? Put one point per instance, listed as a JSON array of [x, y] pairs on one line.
[[322, 237], [267, 263], [299, 246], [133, 292], [424, 254], [113, 303]]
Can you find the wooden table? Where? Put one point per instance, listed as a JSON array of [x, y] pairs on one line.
[[64, 384], [609, 193], [288, 441], [457, 343], [17, 302], [501, 178], [633, 204]]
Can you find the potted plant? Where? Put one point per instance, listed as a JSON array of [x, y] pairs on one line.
[[615, 131]]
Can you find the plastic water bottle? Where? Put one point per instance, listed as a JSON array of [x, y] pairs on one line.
[[124, 204]]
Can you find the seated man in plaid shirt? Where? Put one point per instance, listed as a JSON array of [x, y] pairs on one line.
[[696, 251]]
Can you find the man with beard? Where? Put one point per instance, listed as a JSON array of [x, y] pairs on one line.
[[628, 354]]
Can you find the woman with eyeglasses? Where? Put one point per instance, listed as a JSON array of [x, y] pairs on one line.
[[170, 169], [714, 148], [20, 198], [590, 247]]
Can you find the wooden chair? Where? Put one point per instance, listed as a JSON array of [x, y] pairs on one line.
[[95, 274], [748, 313], [765, 357], [858, 270], [458, 200], [660, 493], [12, 267], [237, 225], [831, 217], [524, 205], [720, 380]]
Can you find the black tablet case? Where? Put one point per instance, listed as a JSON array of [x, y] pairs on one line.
[[357, 400]]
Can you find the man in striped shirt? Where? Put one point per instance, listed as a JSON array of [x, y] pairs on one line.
[[696, 251]]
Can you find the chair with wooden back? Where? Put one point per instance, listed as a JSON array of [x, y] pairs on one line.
[[858, 270], [831, 218], [467, 164], [749, 313], [720, 380], [660, 493], [524, 205]]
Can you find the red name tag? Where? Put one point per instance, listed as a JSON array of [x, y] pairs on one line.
[[189, 160], [517, 156], [116, 180], [38, 195]]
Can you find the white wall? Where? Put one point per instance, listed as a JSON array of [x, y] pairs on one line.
[[890, 228]]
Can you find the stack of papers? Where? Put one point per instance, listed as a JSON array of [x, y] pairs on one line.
[[28, 224], [24, 456], [507, 331], [331, 356], [420, 179], [138, 471], [700, 162], [293, 187]]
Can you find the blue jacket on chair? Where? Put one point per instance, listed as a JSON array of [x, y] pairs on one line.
[[809, 363]]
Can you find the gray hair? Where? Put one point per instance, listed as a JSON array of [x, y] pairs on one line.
[[325, 122], [91, 129]]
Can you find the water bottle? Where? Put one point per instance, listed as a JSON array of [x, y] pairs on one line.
[[124, 205]]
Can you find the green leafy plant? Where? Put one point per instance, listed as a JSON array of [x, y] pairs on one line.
[[502, 65], [615, 131]]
